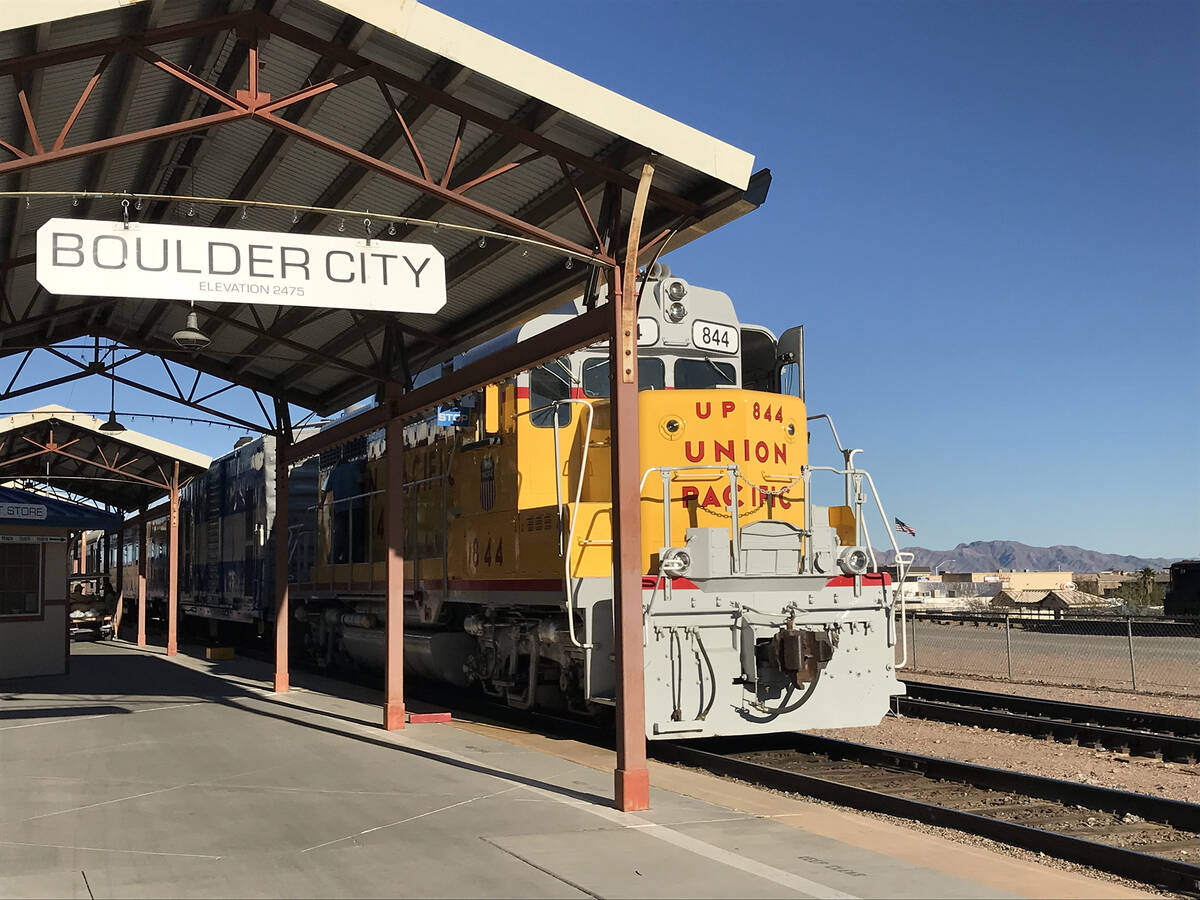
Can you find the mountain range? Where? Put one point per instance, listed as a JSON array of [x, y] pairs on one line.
[[993, 556]]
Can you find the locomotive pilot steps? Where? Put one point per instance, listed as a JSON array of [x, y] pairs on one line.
[[762, 611]]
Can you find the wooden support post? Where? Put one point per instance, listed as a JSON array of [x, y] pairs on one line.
[[632, 778], [393, 707], [173, 567], [142, 570], [282, 611]]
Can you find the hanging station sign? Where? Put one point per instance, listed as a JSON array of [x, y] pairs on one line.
[[182, 262]]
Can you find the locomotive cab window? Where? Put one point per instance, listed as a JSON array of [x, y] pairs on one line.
[[547, 383], [703, 374], [652, 376], [759, 369]]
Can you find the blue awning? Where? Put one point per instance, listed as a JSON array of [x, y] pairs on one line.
[[19, 507]]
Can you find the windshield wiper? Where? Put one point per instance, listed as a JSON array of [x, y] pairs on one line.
[[720, 371], [561, 368]]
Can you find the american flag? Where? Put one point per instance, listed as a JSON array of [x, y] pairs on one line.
[[907, 529], [487, 482]]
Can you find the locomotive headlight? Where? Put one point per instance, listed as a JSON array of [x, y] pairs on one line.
[[676, 290], [671, 427], [853, 561], [674, 562], [676, 311]]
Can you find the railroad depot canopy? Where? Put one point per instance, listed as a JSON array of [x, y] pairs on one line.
[[72, 452], [351, 119]]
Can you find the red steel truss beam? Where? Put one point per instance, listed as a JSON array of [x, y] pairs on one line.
[[55, 449], [254, 21], [83, 98], [252, 103], [453, 104], [396, 173], [124, 140], [149, 38]]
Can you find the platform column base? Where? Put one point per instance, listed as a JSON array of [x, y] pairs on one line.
[[282, 684], [172, 649], [632, 789], [141, 641], [393, 716]]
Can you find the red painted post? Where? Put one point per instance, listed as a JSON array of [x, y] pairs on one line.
[[393, 707], [173, 567], [632, 777], [282, 612], [119, 612], [142, 567]]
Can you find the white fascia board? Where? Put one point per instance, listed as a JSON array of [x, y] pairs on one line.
[[40, 13], [439, 34]]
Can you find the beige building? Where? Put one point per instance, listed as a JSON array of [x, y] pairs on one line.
[[1015, 581]]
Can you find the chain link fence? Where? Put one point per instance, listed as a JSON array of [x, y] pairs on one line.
[[1153, 655]]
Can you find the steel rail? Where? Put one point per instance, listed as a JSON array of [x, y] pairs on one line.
[[1141, 733], [1181, 726], [720, 758]]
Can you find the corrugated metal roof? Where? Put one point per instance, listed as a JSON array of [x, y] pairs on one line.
[[700, 182]]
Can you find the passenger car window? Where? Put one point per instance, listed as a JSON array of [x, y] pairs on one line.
[[702, 374], [652, 375]]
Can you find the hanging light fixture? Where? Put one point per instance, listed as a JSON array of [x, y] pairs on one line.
[[190, 337], [112, 425]]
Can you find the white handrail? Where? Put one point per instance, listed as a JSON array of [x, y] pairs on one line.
[[566, 552], [587, 438], [903, 560]]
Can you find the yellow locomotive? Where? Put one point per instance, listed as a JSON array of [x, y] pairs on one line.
[[762, 610]]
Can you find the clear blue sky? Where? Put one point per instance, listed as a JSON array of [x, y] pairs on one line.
[[986, 214]]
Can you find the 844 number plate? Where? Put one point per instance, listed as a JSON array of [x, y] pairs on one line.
[[711, 336]]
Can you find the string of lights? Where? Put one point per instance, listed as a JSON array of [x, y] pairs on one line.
[[153, 417], [124, 198]]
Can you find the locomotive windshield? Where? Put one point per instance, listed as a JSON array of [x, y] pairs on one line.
[[652, 375], [703, 374], [548, 383]]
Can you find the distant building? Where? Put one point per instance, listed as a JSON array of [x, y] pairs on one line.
[[1056, 601], [1105, 584], [1015, 581]]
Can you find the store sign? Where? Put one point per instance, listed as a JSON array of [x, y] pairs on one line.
[[182, 262], [24, 511]]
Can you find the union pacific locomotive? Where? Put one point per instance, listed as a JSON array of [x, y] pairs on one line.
[[762, 610]]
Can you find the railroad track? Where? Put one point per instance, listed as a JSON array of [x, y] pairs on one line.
[[1173, 738], [1150, 839]]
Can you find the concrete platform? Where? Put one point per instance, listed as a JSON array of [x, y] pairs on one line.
[[139, 776]]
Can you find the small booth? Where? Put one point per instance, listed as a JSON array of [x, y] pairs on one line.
[[35, 538]]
